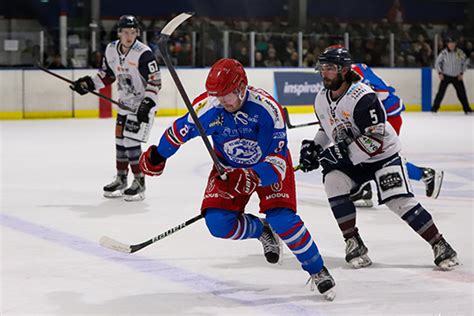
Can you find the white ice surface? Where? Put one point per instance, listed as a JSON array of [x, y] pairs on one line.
[[53, 214]]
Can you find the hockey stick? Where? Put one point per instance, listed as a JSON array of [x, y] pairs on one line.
[[120, 105], [118, 246], [163, 47], [113, 244], [291, 126]]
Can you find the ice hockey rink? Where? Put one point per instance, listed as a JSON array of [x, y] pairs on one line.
[[53, 214]]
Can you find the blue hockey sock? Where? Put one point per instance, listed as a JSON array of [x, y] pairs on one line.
[[291, 229], [232, 225], [414, 172]]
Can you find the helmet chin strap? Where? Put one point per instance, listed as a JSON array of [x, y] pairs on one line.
[[242, 95]]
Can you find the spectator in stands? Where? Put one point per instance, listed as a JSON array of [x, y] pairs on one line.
[[96, 60], [56, 63], [395, 13], [259, 59], [293, 61], [243, 56], [272, 60], [309, 60]]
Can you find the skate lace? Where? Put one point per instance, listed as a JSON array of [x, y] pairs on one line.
[[440, 248], [351, 245], [269, 242], [313, 279], [135, 185]]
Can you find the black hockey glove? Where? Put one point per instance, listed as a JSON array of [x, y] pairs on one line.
[[334, 157], [144, 109], [83, 85], [309, 156]]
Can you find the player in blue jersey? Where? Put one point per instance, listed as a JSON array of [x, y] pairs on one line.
[[249, 136], [394, 106]]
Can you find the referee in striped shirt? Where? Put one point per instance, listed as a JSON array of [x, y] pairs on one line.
[[451, 64]]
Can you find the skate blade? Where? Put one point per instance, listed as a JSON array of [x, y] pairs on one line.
[[330, 294], [361, 262], [364, 203], [448, 264], [134, 198], [438, 180], [280, 246], [113, 195]]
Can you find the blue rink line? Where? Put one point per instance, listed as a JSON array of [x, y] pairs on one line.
[[197, 282]]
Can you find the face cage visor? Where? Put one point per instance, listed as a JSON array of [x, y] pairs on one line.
[[320, 67]]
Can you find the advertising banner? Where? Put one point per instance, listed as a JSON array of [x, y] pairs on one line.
[[297, 88]]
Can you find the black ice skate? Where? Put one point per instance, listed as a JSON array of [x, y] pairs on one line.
[[433, 180], [324, 282], [136, 192], [116, 188], [356, 252], [271, 243], [445, 256], [363, 196]]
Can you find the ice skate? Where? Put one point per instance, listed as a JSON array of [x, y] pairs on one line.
[[116, 188], [363, 196], [433, 180], [356, 252], [445, 256], [272, 247], [136, 192], [324, 282]]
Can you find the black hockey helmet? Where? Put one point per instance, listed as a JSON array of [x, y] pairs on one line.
[[337, 55], [128, 21]]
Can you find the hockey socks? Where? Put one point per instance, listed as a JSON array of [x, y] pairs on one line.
[[345, 213], [232, 225], [421, 222], [291, 229]]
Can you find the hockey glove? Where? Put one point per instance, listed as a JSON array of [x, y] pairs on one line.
[[151, 162], [334, 157], [308, 156], [240, 182], [83, 85], [144, 110]]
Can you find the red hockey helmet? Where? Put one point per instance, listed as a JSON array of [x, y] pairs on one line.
[[225, 76]]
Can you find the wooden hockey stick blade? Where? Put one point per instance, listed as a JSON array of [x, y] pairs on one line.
[[113, 244], [174, 23]]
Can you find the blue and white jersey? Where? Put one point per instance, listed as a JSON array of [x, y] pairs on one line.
[[254, 136], [392, 103]]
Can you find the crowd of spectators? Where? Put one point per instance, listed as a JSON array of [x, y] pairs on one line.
[[276, 44]]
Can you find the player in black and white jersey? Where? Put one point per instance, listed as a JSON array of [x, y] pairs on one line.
[[133, 65], [355, 145]]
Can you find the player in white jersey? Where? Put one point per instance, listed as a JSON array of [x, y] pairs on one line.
[[133, 65], [355, 145]]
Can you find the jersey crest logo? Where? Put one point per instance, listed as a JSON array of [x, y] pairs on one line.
[[243, 151]]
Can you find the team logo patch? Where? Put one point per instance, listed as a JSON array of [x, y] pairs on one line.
[[276, 187], [243, 151], [390, 181]]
